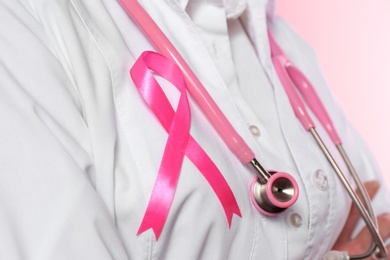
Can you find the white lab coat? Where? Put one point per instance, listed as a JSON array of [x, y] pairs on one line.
[[80, 150]]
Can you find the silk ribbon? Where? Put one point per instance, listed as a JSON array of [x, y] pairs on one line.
[[179, 142]]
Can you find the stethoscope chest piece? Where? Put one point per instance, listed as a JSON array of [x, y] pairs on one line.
[[275, 195]]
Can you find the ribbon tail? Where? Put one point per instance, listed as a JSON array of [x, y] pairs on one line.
[[155, 224], [167, 178], [160, 200], [229, 211]]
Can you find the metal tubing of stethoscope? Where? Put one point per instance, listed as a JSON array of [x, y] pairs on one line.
[[355, 199], [364, 194], [360, 186], [260, 171]]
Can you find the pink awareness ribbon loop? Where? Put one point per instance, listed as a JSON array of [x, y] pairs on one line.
[[179, 142]]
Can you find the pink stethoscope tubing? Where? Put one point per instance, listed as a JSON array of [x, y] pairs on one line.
[[287, 192], [292, 79]]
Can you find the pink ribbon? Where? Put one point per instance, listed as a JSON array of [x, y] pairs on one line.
[[179, 142]]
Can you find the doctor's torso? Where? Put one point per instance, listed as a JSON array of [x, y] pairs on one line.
[[102, 127]]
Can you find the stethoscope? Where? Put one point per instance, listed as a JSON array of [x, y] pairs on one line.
[[272, 192]]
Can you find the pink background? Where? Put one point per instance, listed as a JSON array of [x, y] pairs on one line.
[[352, 41]]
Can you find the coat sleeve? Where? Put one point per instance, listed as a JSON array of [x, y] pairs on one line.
[[49, 208]]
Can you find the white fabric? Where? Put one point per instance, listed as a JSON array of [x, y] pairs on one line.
[[80, 150], [232, 8]]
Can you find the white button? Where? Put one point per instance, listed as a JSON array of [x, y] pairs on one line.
[[254, 130], [320, 180], [295, 220]]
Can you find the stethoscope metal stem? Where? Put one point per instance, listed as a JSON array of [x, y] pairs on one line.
[[260, 171], [355, 199]]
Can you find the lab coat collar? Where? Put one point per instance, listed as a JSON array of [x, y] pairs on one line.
[[233, 8]]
